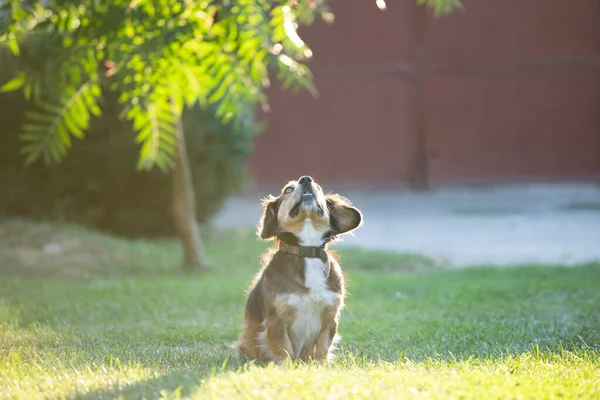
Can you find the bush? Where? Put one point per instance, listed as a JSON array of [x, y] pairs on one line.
[[97, 184]]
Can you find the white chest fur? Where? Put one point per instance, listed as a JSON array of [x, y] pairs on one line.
[[309, 307]]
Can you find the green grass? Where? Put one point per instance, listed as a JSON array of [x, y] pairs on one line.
[[107, 317]]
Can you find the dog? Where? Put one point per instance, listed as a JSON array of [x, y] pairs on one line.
[[293, 306]]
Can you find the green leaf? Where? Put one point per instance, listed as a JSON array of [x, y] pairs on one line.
[[27, 92], [40, 117], [70, 124], [14, 84], [48, 131], [13, 45]]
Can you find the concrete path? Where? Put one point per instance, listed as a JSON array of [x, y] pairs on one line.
[[509, 225]]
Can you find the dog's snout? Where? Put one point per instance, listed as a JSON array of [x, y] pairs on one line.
[[304, 180]]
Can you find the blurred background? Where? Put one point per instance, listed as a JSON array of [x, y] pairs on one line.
[[494, 110], [472, 136], [498, 92]]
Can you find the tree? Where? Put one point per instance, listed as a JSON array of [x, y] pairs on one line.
[[161, 56]]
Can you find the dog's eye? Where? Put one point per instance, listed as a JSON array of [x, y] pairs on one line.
[[288, 190]]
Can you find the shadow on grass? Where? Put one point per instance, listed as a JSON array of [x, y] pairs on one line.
[[63, 251], [176, 382]]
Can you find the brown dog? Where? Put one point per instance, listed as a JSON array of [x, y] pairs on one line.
[[293, 307]]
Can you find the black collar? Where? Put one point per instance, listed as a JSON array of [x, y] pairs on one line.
[[303, 251], [307, 252]]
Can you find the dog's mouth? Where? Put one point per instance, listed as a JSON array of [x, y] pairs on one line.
[[307, 201]]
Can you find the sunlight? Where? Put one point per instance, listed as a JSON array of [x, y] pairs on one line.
[[27, 379], [381, 4], [289, 27], [357, 378]]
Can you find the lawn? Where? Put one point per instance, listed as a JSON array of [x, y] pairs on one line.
[[100, 317]]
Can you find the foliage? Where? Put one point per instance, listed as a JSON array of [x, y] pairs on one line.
[[161, 55], [528, 332], [155, 53], [97, 184], [441, 6]]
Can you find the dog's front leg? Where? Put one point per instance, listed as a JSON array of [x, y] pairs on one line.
[[277, 341], [325, 339]]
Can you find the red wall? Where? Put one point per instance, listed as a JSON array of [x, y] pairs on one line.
[[511, 92]]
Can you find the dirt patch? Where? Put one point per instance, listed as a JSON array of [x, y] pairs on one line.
[[44, 249]]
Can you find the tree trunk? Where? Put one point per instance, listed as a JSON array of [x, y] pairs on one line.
[[184, 203], [419, 164]]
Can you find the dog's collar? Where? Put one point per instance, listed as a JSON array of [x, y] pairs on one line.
[[308, 252], [303, 251]]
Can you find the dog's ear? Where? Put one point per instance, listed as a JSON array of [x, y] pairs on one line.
[[343, 216], [268, 226]]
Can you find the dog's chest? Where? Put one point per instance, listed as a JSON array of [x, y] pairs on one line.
[[309, 307]]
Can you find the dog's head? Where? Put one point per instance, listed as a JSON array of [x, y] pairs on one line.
[[302, 214]]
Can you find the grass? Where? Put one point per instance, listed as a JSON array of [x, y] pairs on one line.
[[104, 317]]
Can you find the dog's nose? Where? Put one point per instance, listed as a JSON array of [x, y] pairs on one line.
[[304, 180]]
